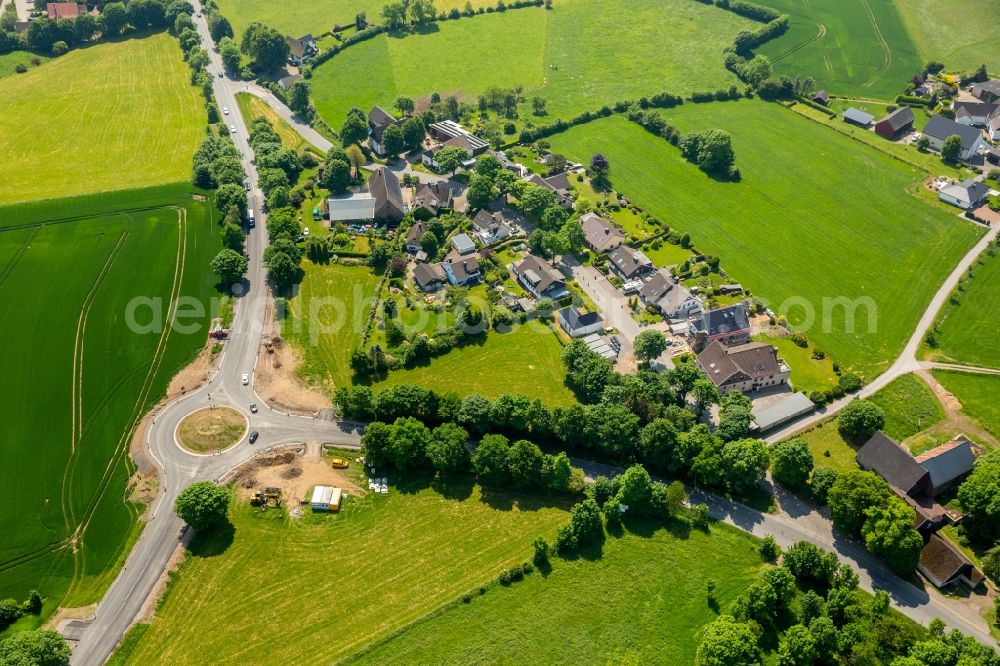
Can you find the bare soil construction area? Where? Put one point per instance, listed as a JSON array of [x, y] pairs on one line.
[[294, 471], [211, 429]]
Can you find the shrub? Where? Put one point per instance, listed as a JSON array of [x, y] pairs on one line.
[[800, 339], [769, 549]]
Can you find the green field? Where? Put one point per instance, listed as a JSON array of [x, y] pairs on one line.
[[858, 48], [316, 16], [642, 602], [966, 332], [8, 61], [817, 218], [326, 318], [526, 360], [82, 377], [962, 34], [319, 588], [570, 56], [111, 116], [978, 395]]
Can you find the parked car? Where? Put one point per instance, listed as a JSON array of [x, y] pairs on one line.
[[253, 407], [246, 379], [253, 436]]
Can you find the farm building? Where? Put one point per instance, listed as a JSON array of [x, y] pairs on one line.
[[964, 195], [789, 407], [325, 498], [948, 464], [987, 91], [388, 195], [577, 322], [351, 207], [940, 128], [895, 124], [747, 367], [858, 117], [821, 97], [943, 564]]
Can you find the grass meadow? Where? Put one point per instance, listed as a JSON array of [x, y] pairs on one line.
[[808, 374], [526, 360], [978, 395], [573, 56], [9, 61], [316, 589], [962, 34], [642, 601], [252, 107], [816, 216], [81, 378], [111, 116], [966, 328], [858, 48]]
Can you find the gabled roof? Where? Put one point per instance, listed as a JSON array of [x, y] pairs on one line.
[[969, 192], [65, 10], [577, 318], [538, 273], [674, 298], [893, 463], [858, 116], [417, 230], [992, 86], [378, 117], [722, 320], [973, 109], [725, 364], [357, 206], [298, 47], [432, 196], [821, 96], [655, 288], [629, 262], [599, 233], [384, 186], [943, 563], [941, 128], [464, 268], [899, 118], [427, 274], [949, 461], [558, 182]]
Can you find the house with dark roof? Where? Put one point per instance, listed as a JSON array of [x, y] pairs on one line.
[[463, 270], [964, 195], [858, 117], [428, 277], [599, 234], [894, 464], [948, 463], [821, 97], [490, 227], [943, 564], [729, 325], [302, 49], [577, 322], [558, 185], [430, 198], [976, 114], [986, 91], [746, 367], [629, 264], [285, 82], [895, 124], [384, 186], [413, 236], [993, 126], [539, 278], [378, 121], [940, 128], [673, 301]]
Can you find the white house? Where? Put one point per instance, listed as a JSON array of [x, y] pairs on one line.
[[940, 128], [301, 49], [577, 322], [975, 114], [965, 195]]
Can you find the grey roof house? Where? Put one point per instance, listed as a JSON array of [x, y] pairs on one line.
[[629, 264], [964, 195], [539, 278], [578, 322], [729, 325], [489, 227], [940, 128], [599, 234], [948, 463], [462, 271], [430, 198], [384, 186]]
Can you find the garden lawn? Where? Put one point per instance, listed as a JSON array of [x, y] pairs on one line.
[[318, 588], [643, 601], [966, 332], [816, 219], [850, 47], [111, 116], [526, 360], [326, 318], [808, 374], [572, 56], [962, 34], [667, 254], [978, 395], [71, 402]]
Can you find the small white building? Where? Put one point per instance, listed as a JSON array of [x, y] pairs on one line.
[[351, 207], [578, 323], [965, 195], [325, 498]]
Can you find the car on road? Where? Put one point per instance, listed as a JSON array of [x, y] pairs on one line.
[[338, 463], [253, 436], [221, 75], [225, 110], [232, 129], [246, 379], [253, 407], [246, 186]]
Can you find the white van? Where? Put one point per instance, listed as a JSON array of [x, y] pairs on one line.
[[250, 219]]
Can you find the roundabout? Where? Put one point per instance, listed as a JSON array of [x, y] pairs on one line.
[[211, 429]]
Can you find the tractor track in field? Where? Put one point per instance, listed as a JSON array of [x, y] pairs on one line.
[[882, 42], [88, 216], [804, 43], [137, 410], [9, 267]]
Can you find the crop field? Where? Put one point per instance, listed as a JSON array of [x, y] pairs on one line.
[[316, 16], [332, 584], [805, 228], [570, 56], [82, 376], [858, 48], [117, 115], [526, 360], [962, 34], [326, 317], [582, 613], [978, 395], [966, 331]]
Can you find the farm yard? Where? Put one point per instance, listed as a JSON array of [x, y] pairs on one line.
[[123, 114], [858, 48], [788, 216], [81, 378], [556, 619], [965, 331], [382, 563], [566, 55]]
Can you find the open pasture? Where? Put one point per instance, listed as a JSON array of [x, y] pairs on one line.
[[962, 34], [111, 116], [816, 221], [82, 376], [978, 395], [858, 48]]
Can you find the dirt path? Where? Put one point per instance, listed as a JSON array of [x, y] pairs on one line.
[[954, 421], [275, 379]]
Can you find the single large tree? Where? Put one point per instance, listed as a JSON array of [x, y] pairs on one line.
[[299, 97], [727, 642], [791, 462], [202, 505], [450, 158], [265, 45], [39, 647], [951, 149], [860, 419], [229, 265], [649, 345]]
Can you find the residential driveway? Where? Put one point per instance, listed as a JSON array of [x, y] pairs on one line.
[[612, 303]]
